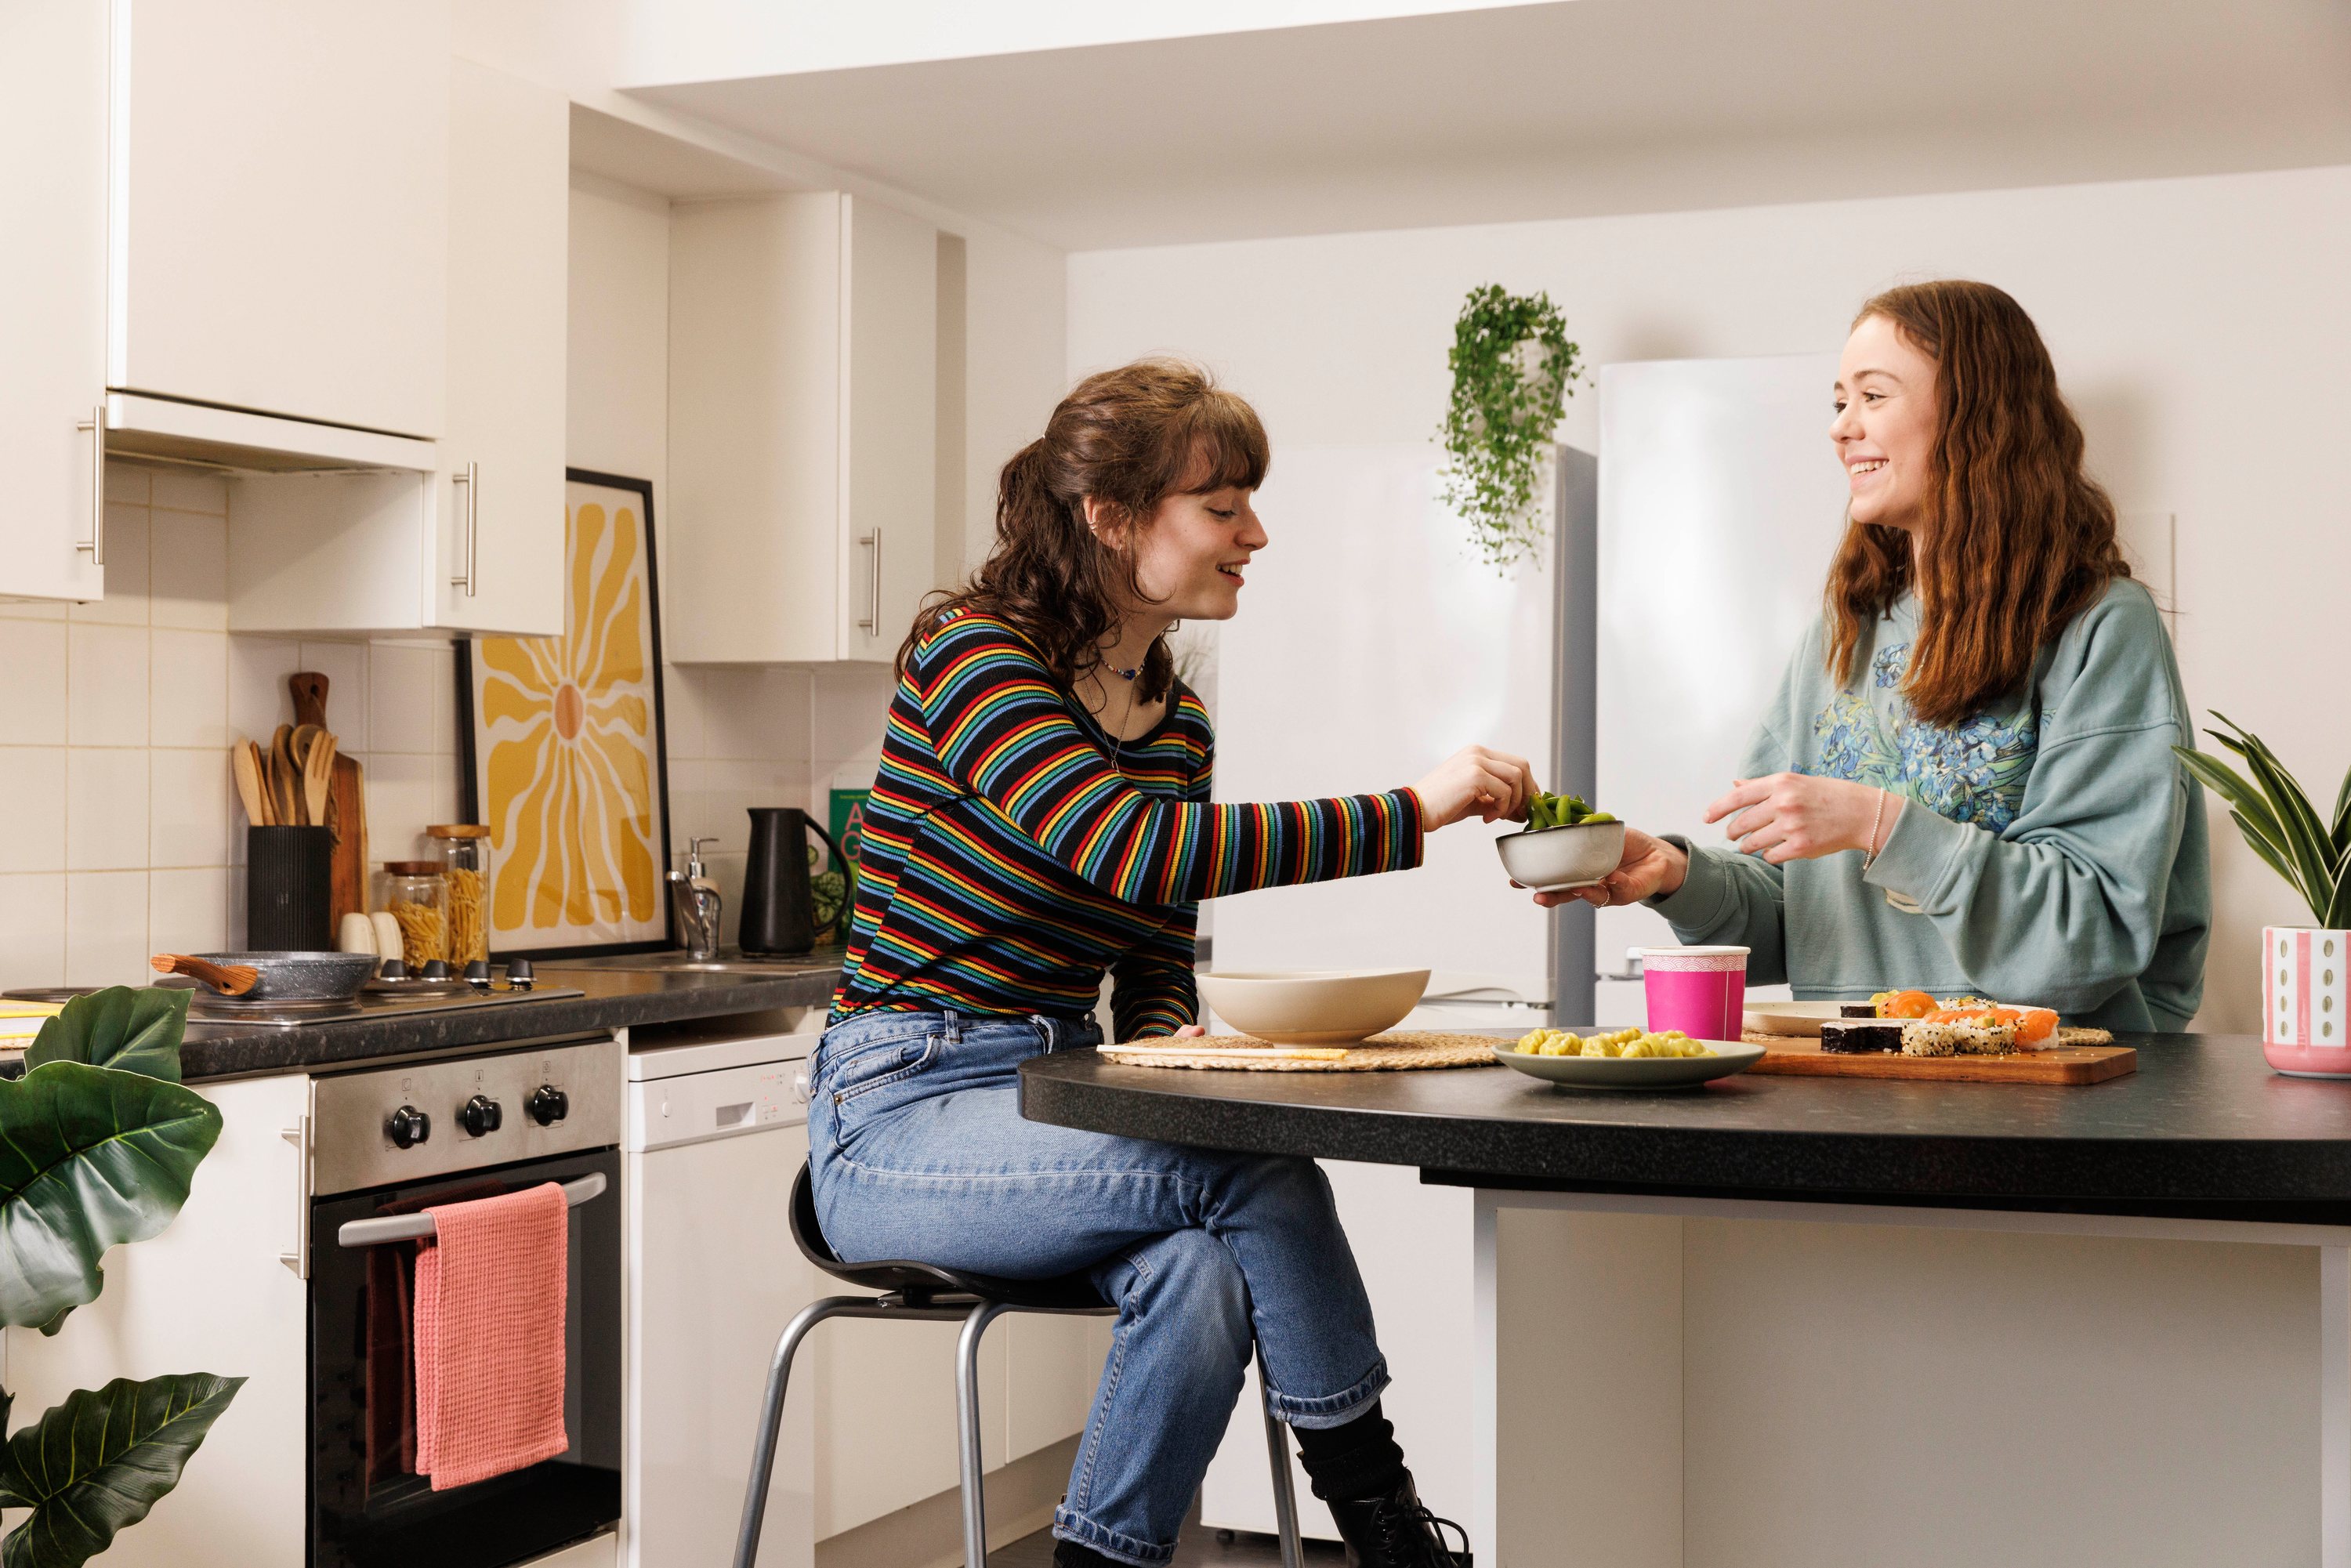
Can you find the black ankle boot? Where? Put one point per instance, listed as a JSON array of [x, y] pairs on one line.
[[1396, 1531]]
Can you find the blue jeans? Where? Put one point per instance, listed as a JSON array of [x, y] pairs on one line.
[[917, 1149]]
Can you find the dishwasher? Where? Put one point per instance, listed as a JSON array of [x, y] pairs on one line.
[[715, 1129]]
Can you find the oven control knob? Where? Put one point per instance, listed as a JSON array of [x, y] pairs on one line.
[[481, 1115], [548, 1104], [409, 1126]]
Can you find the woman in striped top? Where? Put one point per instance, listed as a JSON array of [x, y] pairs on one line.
[[1042, 817]]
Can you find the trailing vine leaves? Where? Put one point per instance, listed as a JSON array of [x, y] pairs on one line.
[[1512, 366], [94, 1465]]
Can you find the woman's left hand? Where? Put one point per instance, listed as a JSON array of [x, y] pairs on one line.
[[1796, 817]]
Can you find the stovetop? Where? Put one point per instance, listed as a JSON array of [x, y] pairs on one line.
[[380, 999]]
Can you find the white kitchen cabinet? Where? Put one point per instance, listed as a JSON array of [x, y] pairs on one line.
[[211, 1295], [53, 97], [499, 494], [279, 179], [803, 420], [464, 535]]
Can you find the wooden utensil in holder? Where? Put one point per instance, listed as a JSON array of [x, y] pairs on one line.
[[345, 807], [229, 980]]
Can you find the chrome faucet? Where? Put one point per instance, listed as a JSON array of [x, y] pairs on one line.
[[698, 904]]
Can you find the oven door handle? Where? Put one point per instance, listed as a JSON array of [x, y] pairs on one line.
[[420, 1227]]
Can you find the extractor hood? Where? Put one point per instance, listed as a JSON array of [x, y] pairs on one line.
[[201, 435]]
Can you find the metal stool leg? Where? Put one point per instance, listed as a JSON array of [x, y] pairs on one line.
[[1285, 1501], [771, 1419], [975, 1499]]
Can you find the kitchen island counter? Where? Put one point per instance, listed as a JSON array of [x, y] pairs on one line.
[[613, 999], [1776, 1318], [2204, 1126]]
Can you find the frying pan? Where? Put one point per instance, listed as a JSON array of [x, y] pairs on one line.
[[298, 977]]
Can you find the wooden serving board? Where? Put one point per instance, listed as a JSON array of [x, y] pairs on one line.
[[1799, 1058]]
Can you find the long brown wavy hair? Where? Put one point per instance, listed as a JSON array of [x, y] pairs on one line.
[[1129, 438], [2019, 540]]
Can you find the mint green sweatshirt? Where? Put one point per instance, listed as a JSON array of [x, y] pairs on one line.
[[2053, 853]]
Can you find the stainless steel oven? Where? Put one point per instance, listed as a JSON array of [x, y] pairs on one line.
[[387, 1143]]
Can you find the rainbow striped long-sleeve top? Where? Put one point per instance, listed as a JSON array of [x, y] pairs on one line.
[[1012, 854]]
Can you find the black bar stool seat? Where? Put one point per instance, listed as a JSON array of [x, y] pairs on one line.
[[925, 1293]]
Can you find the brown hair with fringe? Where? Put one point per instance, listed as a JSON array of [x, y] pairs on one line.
[[1129, 438], [2018, 539]]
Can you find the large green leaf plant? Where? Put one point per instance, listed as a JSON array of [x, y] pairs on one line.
[[98, 1142], [2271, 809]]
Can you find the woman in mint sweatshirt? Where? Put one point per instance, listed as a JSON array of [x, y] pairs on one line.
[[1965, 782]]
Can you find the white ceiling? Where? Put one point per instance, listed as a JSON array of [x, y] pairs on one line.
[[1568, 109]]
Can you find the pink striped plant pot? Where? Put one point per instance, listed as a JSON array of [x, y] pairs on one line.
[[2307, 1000]]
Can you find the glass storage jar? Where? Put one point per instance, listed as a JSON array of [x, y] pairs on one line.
[[416, 895], [465, 871]]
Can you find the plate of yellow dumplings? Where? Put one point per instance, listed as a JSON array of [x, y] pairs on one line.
[[1624, 1058]]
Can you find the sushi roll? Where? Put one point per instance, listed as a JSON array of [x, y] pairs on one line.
[[1923, 1038], [1867, 1009], [1854, 1037], [1982, 1036]]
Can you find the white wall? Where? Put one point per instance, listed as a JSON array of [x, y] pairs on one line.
[[2200, 327]]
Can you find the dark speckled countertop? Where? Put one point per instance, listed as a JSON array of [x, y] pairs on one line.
[[613, 999], [2203, 1129]]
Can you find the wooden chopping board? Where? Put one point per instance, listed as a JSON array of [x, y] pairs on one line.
[[346, 807], [1799, 1058]]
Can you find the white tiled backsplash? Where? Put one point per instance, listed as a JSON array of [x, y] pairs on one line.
[[123, 833]]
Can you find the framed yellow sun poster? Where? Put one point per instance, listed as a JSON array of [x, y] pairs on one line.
[[565, 757]]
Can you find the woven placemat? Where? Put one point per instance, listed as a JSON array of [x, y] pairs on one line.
[[2065, 1036], [1400, 1051]]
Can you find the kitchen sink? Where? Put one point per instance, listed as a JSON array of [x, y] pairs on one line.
[[678, 961]]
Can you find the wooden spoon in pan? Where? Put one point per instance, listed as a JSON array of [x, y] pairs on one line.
[[229, 980]]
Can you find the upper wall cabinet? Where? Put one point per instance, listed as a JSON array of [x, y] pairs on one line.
[[500, 491], [477, 544], [53, 75], [280, 240], [803, 415]]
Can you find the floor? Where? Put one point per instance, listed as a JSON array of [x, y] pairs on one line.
[[1197, 1547]]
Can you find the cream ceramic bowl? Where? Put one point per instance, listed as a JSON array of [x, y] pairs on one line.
[[1552, 860], [1314, 1007]]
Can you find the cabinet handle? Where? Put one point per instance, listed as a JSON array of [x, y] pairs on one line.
[[873, 604], [471, 480], [96, 544], [299, 1134]]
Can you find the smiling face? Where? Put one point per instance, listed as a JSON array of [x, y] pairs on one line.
[[1190, 557], [1886, 426]]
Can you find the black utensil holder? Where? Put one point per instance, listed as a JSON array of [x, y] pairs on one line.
[[289, 890]]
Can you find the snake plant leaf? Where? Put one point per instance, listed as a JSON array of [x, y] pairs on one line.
[[2336, 916], [2269, 853], [135, 1030], [2305, 837], [94, 1465], [2247, 808], [91, 1158], [2342, 834]]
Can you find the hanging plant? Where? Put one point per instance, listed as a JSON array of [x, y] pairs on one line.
[[1512, 365]]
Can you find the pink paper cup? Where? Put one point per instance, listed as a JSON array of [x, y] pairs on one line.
[[1701, 991]]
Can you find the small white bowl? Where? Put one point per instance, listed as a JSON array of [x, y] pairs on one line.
[[1553, 859], [1314, 1007]]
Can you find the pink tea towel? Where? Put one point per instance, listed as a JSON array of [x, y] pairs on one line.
[[489, 1336]]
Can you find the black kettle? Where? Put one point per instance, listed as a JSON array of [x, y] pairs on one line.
[[779, 914]]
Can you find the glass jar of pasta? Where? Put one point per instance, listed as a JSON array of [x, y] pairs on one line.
[[465, 868], [416, 895]]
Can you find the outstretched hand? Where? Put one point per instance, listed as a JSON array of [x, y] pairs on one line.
[[1648, 867], [1475, 781]]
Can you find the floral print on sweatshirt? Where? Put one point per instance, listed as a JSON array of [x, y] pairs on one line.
[[1974, 772]]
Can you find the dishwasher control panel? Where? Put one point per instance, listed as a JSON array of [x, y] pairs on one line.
[[757, 1085], [392, 1125]]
